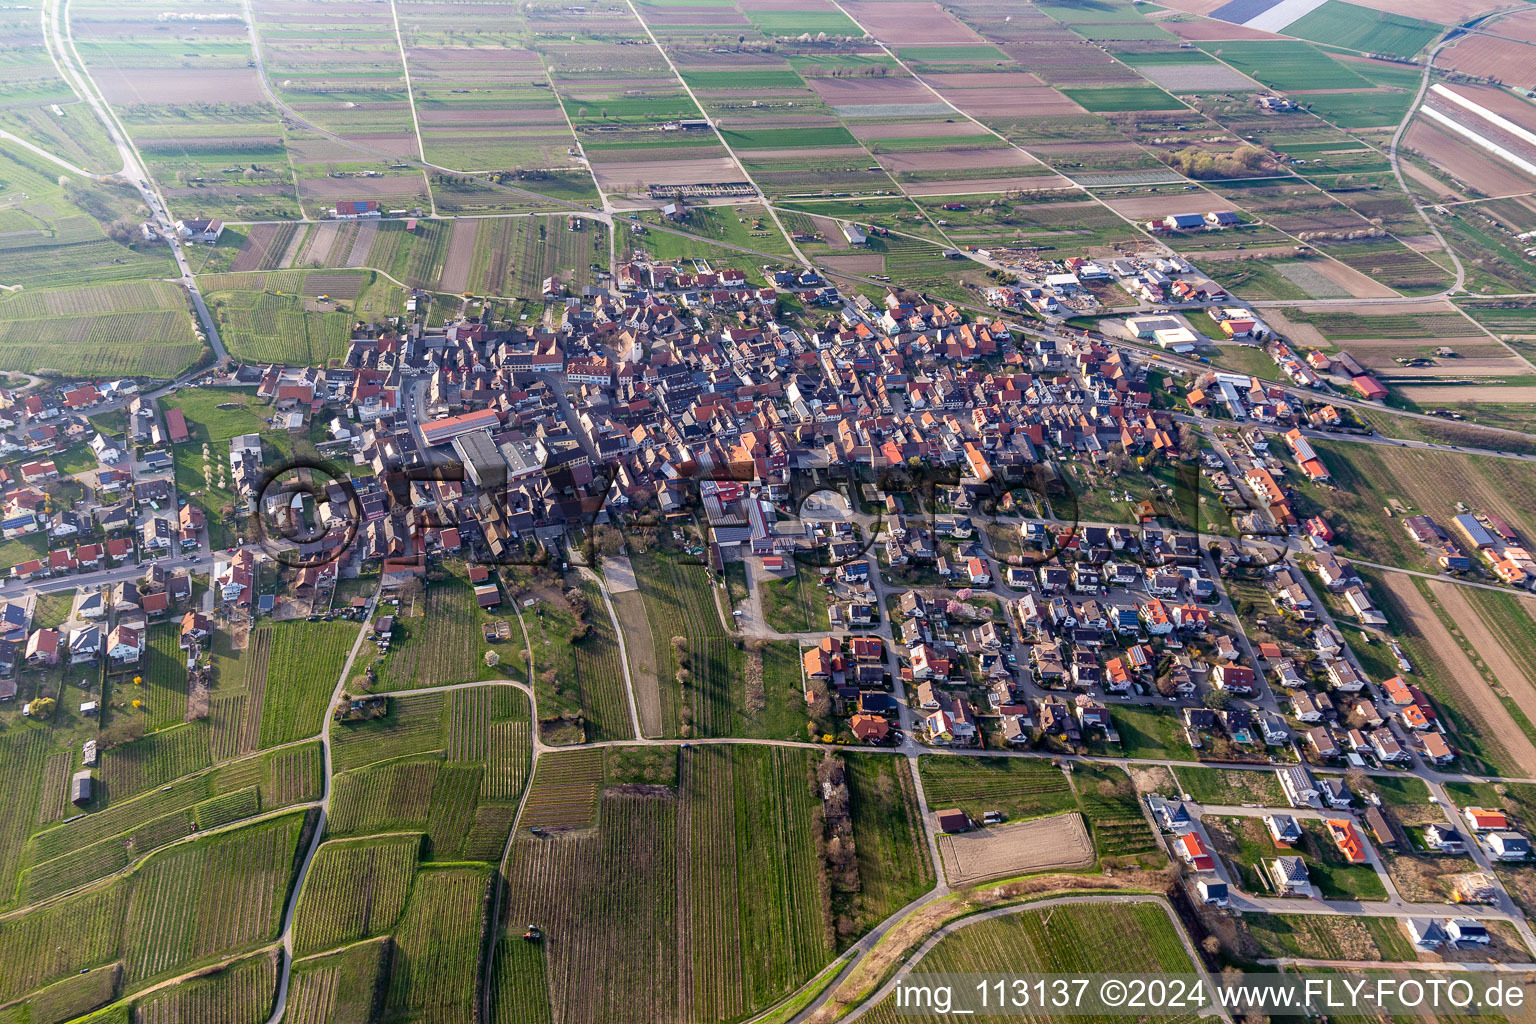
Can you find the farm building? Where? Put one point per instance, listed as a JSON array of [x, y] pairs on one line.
[[352, 209], [176, 426], [80, 787], [952, 820], [1370, 388], [1183, 222], [854, 235], [1476, 533], [200, 230]]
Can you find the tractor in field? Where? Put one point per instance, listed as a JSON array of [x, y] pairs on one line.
[[533, 934]]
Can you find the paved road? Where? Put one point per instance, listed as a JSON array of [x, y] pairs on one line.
[[61, 47], [285, 939]]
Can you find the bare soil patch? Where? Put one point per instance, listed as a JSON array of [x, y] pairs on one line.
[[909, 22], [860, 91], [318, 246], [1462, 159], [1467, 366], [177, 85], [1359, 285], [1507, 58], [1026, 101], [1057, 843], [973, 186], [257, 241], [1476, 701], [364, 188], [864, 264], [366, 232], [1145, 207], [619, 573], [1445, 394], [1200, 7], [1446, 12], [626, 176], [1425, 879], [981, 159], [461, 252], [985, 80]]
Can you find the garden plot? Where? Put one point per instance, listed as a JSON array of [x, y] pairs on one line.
[[869, 97]]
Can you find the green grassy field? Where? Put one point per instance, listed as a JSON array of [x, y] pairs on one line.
[[1351, 26], [1123, 97], [294, 317], [1231, 786], [1286, 65]]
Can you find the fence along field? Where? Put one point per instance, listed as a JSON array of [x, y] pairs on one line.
[[190, 904], [725, 866], [355, 889]]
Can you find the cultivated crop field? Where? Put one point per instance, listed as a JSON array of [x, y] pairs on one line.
[[564, 790], [355, 889], [440, 643], [341, 987], [457, 770], [679, 603], [294, 318], [198, 901], [155, 760], [140, 328], [738, 813], [1018, 787], [1074, 938], [435, 973], [412, 726], [217, 896], [301, 663], [240, 993]]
